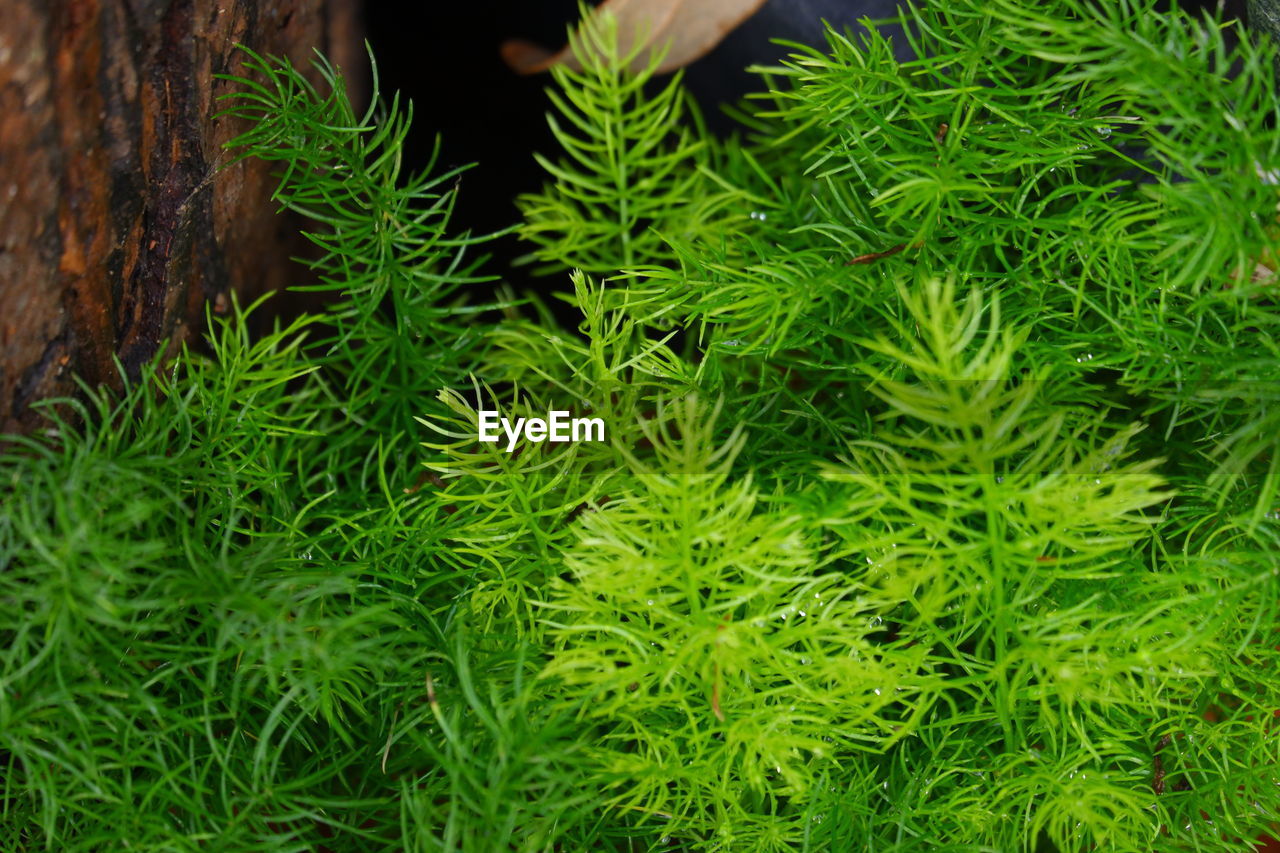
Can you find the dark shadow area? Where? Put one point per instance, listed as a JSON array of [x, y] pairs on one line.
[[445, 58]]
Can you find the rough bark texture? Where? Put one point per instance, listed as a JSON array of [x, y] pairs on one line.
[[1264, 15], [115, 224]]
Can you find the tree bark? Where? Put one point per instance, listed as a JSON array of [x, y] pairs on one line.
[[1264, 16], [116, 222]]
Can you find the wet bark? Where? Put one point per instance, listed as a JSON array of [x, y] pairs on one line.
[[116, 222]]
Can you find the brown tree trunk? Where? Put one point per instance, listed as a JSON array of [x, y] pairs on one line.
[[114, 227]]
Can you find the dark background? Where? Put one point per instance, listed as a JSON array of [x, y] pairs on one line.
[[444, 56]]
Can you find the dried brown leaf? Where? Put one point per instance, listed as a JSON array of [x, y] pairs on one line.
[[689, 29]]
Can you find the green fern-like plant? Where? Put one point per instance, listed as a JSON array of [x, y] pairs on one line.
[[633, 170], [936, 509]]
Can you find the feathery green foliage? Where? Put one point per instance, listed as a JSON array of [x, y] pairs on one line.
[[937, 509], [634, 151]]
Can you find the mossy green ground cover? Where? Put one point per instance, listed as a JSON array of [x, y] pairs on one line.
[[938, 509]]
